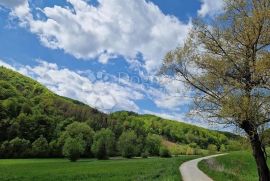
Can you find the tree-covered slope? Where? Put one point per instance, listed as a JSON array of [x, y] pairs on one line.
[[28, 109], [175, 131], [36, 122]]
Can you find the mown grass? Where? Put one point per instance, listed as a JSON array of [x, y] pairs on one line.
[[236, 166], [165, 169]]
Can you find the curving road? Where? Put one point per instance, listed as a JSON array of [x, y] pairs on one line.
[[190, 171]]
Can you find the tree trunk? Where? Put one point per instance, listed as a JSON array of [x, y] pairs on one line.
[[259, 156]]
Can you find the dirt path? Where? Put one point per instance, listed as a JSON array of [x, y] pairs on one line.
[[190, 171]]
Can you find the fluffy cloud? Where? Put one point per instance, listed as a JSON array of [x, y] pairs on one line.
[[122, 27], [211, 7], [20, 9]]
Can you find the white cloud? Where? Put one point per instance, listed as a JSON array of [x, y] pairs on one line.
[[122, 27], [211, 7], [20, 9]]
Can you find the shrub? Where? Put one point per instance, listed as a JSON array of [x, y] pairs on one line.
[[190, 151], [222, 148], [164, 152], [153, 143], [212, 148], [55, 149], [145, 154], [234, 146], [73, 148], [18, 147]]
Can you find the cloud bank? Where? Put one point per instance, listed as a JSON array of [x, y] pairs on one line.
[[112, 28]]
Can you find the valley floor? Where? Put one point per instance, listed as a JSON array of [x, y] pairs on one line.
[[91, 169]]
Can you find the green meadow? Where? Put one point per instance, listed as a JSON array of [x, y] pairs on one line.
[[236, 166], [165, 169]]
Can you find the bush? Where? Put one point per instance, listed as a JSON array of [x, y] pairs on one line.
[[127, 144], [40, 147], [104, 144], [153, 143], [145, 154], [55, 149], [164, 152], [212, 148], [18, 147], [234, 146], [190, 151], [222, 148], [73, 148]]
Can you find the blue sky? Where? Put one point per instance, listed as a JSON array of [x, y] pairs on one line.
[[105, 53]]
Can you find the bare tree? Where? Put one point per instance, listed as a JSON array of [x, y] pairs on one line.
[[226, 62]]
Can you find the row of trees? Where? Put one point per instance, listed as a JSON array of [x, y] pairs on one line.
[[78, 139]]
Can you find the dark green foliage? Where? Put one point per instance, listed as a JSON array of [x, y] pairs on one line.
[[17, 147], [128, 144], [104, 144], [40, 147], [153, 143], [164, 152], [145, 154], [73, 148]]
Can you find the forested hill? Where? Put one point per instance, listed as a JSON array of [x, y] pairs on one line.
[[36, 122]]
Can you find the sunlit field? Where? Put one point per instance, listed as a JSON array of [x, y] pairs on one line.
[[90, 169]]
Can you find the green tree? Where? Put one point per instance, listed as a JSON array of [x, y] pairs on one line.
[[226, 62], [73, 148], [152, 144], [127, 144], [40, 147], [104, 144], [77, 129], [19, 148]]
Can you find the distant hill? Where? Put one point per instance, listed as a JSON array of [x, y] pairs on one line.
[[175, 131], [28, 111]]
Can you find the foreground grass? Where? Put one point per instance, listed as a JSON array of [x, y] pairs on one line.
[[236, 166], [110, 170]]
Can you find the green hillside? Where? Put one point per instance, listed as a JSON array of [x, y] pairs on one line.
[[34, 122]]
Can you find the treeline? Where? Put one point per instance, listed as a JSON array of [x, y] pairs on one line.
[[34, 122], [79, 140]]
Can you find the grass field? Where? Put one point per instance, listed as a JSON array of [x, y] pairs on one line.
[[165, 169], [236, 166]]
